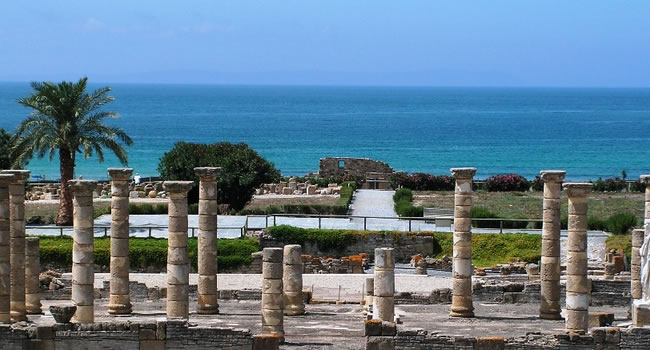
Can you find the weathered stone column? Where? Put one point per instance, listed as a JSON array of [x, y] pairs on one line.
[[272, 298], [461, 301], [370, 291], [5, 265], [32, 270], [178, 264], [207, 287], [119, 300], [646, 180], [549, 308], [17, 233], [578, 286], [294, 303], [83, 265], [635, 266], [384, 285]]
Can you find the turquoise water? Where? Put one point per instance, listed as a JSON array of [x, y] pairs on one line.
[[588, 132]]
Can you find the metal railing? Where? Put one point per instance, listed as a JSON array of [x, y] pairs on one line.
[[190, 230]]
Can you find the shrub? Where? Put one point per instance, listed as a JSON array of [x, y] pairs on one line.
[[614, 184], [403, 194], [637, 186], [403, 204], [326, 240], [620, 223], [242, 169], [507, 183], [538, 184], [483, 213], [232, 253], [422, 182]]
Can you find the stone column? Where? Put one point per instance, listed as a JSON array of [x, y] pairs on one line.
[[207, 287], [5, 266], [635, 266], [384, 285], [578, 286], [646, 224], [370, 290], [461, 301], [83, 266], [119, 300], [549, 308], [272, 298], [178, 264], [32, 270], [17, 233], [294, 303]]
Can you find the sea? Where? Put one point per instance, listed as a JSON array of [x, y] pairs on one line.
[[589, 132]]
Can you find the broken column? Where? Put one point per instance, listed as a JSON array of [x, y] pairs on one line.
[[461, 302], [384, 285], [207, 287], [646, 224], [294, 303], [550, 270], [272, 297], [578, 286], [5, 266], [32, 270], [178, 264], [83, 267], [119, 299], [635, 264], [17, 234], [370, 291]]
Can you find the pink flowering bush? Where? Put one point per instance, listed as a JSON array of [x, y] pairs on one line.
[[423, 182], [506, 183]]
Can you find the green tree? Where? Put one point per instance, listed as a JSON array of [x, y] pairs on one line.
[[242, 169], [6, 150], [67, 120]]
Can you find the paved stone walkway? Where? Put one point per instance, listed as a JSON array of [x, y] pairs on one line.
[[373, 203]]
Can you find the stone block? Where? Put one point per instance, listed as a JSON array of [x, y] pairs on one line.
[[380, 343], [489, 343], [600, 319], [640, 313], [266, 342]]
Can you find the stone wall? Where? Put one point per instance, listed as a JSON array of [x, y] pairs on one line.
[[351, 166], [405, 245], [599, 338], [603, 292], [124, 335]]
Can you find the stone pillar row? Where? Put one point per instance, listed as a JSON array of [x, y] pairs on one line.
[[461, 302], [207, 251], [5, 266], [578, 286], [178, 264], [17, 243], [384, 285], [294, 303], [83, 267], [32, 270], [119, 299], [272, 293], [550, 265]]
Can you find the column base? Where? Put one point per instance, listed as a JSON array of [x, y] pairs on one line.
[[294, 310], [640, 313], [550, 315], [18, 316], [120, 309], [207, 309], [33, 304], [466, 314], [461, 306]]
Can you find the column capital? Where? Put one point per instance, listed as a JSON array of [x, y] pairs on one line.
[[645, 179], [19, 175], [123, 174], [6, 179], [178, 186], [82, 186], [552, 175], [577, 189], [207, 173], [463, 173]]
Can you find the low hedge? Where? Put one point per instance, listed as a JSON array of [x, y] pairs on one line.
[[403, 199], [143, 252], [487, 249], [147, 209]]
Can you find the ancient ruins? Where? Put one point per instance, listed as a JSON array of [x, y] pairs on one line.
[[476, 310]]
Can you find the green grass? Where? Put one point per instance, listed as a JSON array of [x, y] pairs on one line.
[[143, 252], [620, 242]]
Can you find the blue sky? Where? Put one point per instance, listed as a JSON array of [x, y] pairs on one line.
[[374, 42]]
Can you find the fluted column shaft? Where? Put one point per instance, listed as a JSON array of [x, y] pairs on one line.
[[550, 270], [294, 303], [83, 265], [646, 223], [384, 285], [5, 250], [578, 286], [119, 299], [207, 288], [461, 302], [32, 270], [272, 296], [178, 264], [635, 265], [17, 243]]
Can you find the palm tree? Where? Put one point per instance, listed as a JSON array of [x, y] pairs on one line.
[[67, 119]]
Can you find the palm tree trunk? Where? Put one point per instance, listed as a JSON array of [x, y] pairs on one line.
[[66, 166]]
